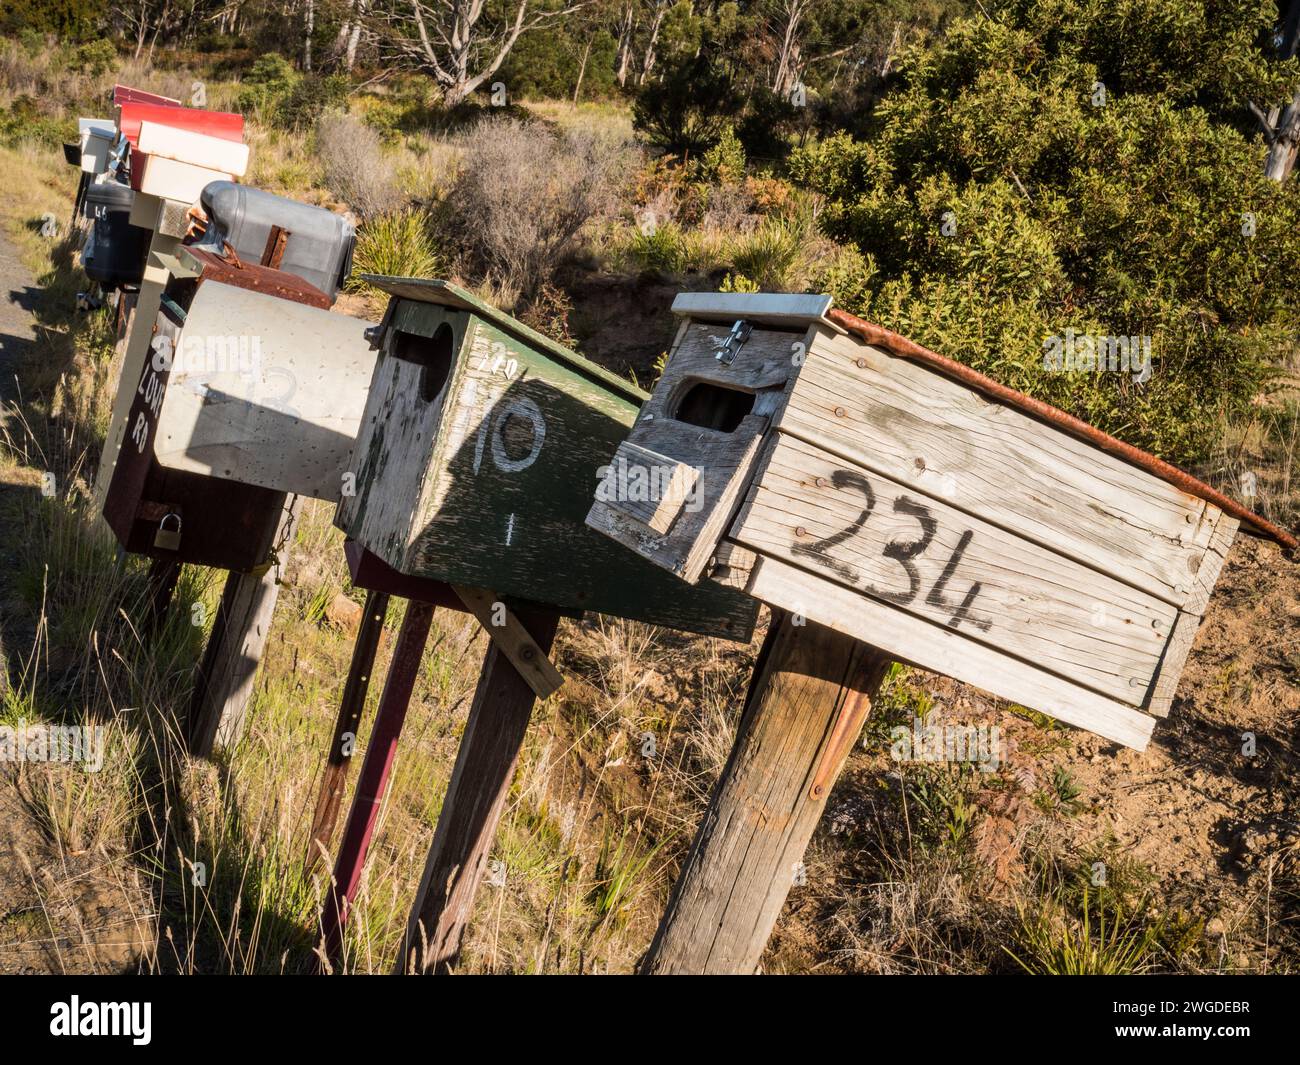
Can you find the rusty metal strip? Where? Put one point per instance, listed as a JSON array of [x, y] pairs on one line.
[[899, 345]]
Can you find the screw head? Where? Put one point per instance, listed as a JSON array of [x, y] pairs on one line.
[[800, 531], [840, 412]]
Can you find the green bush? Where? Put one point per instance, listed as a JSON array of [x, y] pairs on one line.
[[23, 121], [267, 82], [724, 163], [95, 58], [686, 111], [770, 256], [1001, 201], [399, 244], [310, 98]]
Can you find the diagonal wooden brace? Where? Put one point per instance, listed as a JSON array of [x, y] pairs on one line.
[[509, 634]]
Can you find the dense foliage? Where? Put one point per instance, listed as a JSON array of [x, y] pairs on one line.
[[1080, 164]]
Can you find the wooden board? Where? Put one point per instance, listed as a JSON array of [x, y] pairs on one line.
[[915, 426], [939, 649], [910, 550]]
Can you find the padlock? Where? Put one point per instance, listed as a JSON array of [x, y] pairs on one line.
[[168, 539]]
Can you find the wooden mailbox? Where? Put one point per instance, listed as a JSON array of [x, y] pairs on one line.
[[218, 433], [474, 462], [952, 528]]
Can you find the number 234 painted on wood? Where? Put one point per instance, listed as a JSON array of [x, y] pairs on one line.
[[901, 551]]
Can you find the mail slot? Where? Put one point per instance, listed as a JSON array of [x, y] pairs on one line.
[[474, 461]]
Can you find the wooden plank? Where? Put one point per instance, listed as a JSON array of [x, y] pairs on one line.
[[149, 210], [520, 650], [903, 547], [648, 488], [915, 426], [471, 810], [1165, 684], [725, 458], [935, 647], [751, 840]]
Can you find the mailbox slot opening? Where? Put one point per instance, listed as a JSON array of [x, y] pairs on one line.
[[713, 406], [434, 355]]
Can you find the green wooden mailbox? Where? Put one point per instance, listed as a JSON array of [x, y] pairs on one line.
[[479, 449]]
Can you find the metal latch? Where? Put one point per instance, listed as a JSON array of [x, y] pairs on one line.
[[735, 341]]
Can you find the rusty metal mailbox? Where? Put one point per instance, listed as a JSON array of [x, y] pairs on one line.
[[475, 459]]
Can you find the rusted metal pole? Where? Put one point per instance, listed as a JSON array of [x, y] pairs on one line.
[[335, 777], [373, 780]]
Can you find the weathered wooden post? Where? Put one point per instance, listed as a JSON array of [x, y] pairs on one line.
[[472, 467], [866, 488]]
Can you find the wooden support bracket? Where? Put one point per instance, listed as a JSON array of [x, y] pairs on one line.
[[509, 634]]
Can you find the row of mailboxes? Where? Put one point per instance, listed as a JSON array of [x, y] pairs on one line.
[[461, 447]]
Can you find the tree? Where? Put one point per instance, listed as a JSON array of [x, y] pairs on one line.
[[1080, 165], [461, 43]]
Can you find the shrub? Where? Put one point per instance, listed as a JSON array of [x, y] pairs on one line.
[[522, 196], [399, 244], [686, 111], [25, 122], [95, 58], [724, 163], [771, 255], [267, 82], [997, 205], [357, 169], [310, 98]]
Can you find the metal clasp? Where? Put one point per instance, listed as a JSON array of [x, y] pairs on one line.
[[735, 341]]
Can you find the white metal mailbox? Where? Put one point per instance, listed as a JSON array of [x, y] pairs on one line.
[[264, 391]]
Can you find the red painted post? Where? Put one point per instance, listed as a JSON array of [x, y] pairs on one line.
[[335, 777], [373, 779]]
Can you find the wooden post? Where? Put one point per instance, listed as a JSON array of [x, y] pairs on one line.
[[812, 689], [480, 782], [167, 219], [224, 684], [373, 780], [348, 724]]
